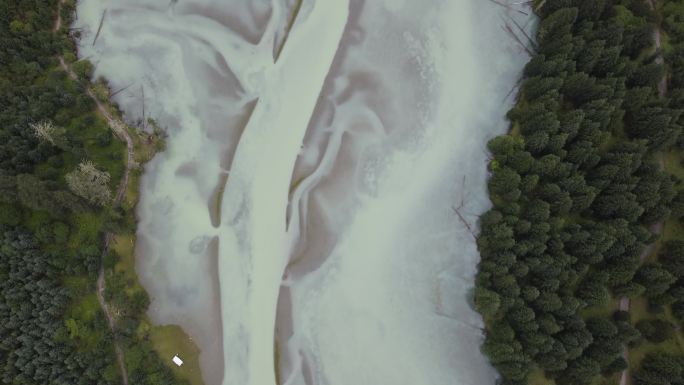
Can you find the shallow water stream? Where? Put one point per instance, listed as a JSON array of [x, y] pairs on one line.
[[301, 224]]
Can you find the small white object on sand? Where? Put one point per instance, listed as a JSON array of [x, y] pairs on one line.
[[177, 360]]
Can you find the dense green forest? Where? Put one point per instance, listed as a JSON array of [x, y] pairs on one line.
[[584, 182], [53, 216]]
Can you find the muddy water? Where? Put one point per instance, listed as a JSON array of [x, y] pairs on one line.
[[300, 225]]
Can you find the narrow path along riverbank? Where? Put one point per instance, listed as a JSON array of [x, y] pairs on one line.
[[119, 130], [656, 228]]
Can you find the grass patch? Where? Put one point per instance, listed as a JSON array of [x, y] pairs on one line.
[[537, 377], [611, 380], [637, 354], [87, 228], [601, 311], [167, 340], [86, 308], [132, 196], [673, 165], [77, 284], [638, 309], [170, 340], [79, 321], [36, 219], [673, 230], [124, 246]]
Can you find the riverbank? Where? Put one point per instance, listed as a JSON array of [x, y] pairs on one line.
[[66, 164], [124, 286], [167, 340], [395, 95], [565, 237]]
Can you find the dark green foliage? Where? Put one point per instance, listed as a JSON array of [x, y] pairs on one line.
[[52, 331], [504, 181], [104, 138], [487, 302], [10, 215], [84, 70], [637, 38], [575, 188], [671, 254], [647, 76], [660, 368], [30, 48], [655, 278], [672, 257], [536, 87], [557, 24], [601, 327], [657, 125], [655, 330], [593, 293], [629, 290], [32, 304], [38, 195], [627, 333]]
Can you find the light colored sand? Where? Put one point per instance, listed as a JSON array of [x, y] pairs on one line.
[[358, 139]]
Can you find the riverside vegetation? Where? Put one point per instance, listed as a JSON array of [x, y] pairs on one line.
[[589, 172], [59, 163], [577, 186]]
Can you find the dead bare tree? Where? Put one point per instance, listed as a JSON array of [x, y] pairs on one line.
[[99, 28], [529, 38], [90, 183], [506, 27], [540, 6], [458, 209], [508, 7], [121, 90], [45, 131], [142, 90], [515, 87]]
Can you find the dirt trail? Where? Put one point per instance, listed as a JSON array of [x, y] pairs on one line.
[[58, 22], [656, 228], [119, 129]]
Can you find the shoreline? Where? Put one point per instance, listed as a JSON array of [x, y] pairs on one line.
[[167, 339]]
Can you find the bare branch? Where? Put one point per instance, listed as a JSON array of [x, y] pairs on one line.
[[120, 90], [540, 6], [90, 183], [508, 29], [458, 209], [45, 131], [529, 38], [508, 7], [99, 28]]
